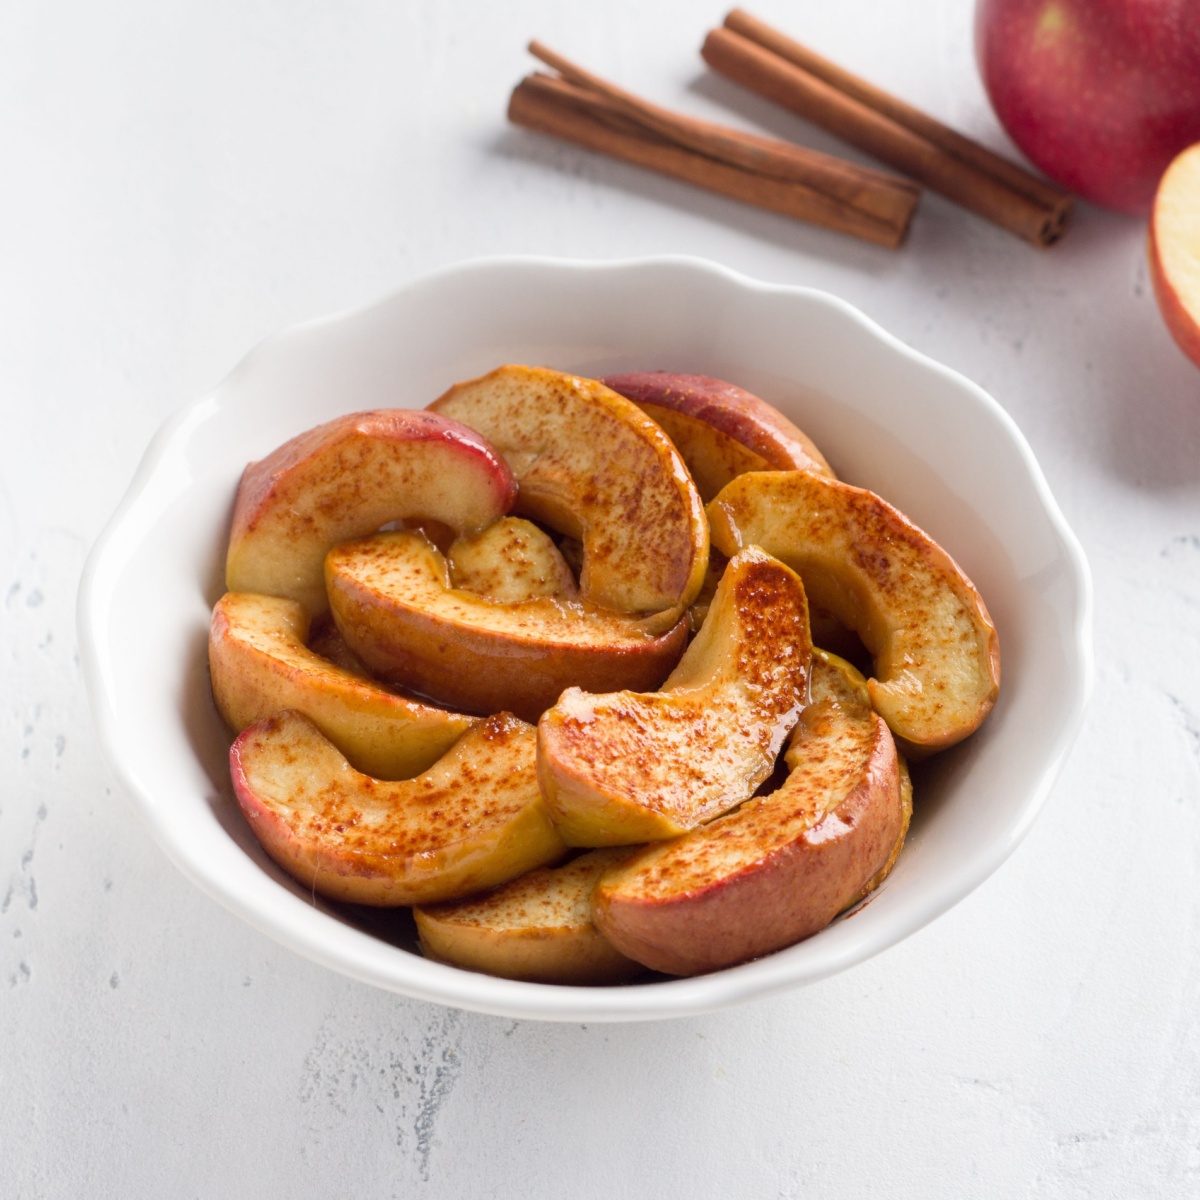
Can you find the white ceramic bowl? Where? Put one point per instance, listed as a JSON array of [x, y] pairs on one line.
[[925, 438]]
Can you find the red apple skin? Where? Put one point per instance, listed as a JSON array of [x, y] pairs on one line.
[[729, 409], [1100, 94]]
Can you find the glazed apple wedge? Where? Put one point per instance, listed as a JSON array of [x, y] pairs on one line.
[[935, 649], [592, 465], [348, 478], [394, 605], [259, 663], [510, 561], [474, 820], [634, 767], [720, 429], [782, 866], [538, 928]]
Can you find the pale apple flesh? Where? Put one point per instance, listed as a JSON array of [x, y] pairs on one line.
[[591, 464], [720, 429], [394, 605], [510, 561], [631, 767], [782, 866], [474, 820], [348, 478], [935, 649], [259, 663], [537, 928], [1175, 250]]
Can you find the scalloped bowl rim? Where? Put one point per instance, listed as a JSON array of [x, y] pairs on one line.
[[124, 549]]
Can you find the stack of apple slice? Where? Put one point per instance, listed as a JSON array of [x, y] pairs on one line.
[[462, 646]]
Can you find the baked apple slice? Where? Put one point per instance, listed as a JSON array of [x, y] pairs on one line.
[[259, 663], [537, 928], [510, 561], [720, 429], [782, 866], [935, 650], [592, 465], [474, 820], [348, 478], [394, 605], [634, 767]]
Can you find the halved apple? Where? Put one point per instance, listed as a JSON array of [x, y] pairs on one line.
[[510, 561], [592, 465], [1175, 250], [259, 663], [720, 429], [782, 866], [348, 478], [538, 928], [937, 657], [472, 821], [393, 602], [629, 767]]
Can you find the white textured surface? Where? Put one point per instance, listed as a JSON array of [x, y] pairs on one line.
[[181, 180]]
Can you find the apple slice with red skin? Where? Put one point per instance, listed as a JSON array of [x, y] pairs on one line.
[[592, 465], [259, 663], [394, 605], [720, 429], [935, 649], [633, 767], [782, 866], [474, 820], [348, 478], [537, 928], [1175, 250]]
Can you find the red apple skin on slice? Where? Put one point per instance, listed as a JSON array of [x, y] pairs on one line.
[[348, 478], [782, 866], [592, 465], [1175, 250], [259, 663], [393, 603], [720, 429], [474, 820]]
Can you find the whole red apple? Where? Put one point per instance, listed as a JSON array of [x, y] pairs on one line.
[[1100, 94]]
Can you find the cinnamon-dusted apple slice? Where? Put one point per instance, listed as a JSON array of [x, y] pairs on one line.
[[628, 767], [720, 429], [592, 465], [782, 866], [474, 820], [394, 605], [509, 561], [936, 654], [259, 663], [537, 928], [348, 478]]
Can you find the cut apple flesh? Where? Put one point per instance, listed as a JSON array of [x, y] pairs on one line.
[[937, 657], [348, 478], [394, 605], [721, 430], [511, 561], [592, 465], [537, 928], [474, 820], [629, 767], [782, 866], [1175, 250], [259, 663]]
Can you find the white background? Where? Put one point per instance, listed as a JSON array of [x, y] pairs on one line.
[[178, 181]]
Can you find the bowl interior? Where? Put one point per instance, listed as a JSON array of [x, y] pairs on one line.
[[887, 418]]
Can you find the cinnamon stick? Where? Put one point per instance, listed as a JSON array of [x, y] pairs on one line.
[[781, 69], [776, 175]]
